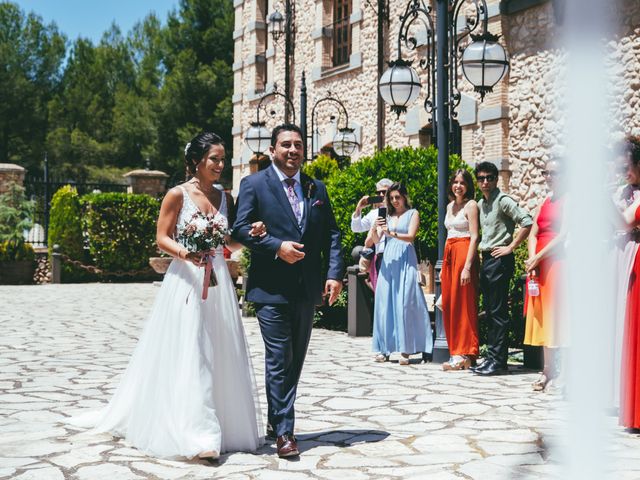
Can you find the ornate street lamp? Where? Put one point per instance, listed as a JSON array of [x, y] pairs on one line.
[[484, 63], [276, 25], [257, 137], [345, 142], [399, 86]]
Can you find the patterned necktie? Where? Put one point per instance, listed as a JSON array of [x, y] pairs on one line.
[[293, 198]]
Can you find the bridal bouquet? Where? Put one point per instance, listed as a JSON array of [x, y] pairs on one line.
[[204, 233]]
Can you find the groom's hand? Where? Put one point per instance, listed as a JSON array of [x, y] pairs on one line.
[[332, 288], [290, 252]]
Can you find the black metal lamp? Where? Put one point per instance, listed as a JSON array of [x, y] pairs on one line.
[[484, 62], [345, 142], [399, 85], [276, 25], [257, 137]]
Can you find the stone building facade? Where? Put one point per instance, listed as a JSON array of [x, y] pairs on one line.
[[517, 127]]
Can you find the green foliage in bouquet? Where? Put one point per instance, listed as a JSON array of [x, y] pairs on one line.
[[65, 230], [416, 168], [121, 229]]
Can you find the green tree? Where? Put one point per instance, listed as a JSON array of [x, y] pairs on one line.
[[31, 56]]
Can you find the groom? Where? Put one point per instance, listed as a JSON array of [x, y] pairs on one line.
[[286, 273]]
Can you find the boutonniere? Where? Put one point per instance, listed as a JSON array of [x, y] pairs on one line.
[[309, 188], [318, 203]]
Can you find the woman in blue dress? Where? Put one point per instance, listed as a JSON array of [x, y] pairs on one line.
[[401, 319]]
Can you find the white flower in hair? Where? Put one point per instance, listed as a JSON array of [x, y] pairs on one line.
[[186, 148]]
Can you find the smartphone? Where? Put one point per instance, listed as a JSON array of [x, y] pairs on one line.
[[374, 199], [382, 212]]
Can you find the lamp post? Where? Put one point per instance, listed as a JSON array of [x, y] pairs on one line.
[[280, 25], [484, 63], [258, 137]]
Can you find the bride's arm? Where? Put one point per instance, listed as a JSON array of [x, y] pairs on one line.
[[169, 211], [258, 229]]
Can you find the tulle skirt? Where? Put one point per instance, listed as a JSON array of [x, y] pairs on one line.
[[189, 387]]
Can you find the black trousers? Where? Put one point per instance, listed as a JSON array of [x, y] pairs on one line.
[[495, 275]]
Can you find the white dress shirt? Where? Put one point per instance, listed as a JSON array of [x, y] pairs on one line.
[[363, 224]]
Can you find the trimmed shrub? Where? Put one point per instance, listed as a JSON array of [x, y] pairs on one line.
[[321, 168], [121, 229], [15, 214], [65, 230], [11, 250], [416, 168]]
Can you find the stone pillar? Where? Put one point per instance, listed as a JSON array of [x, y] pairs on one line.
[[151, 182], [10, 173]]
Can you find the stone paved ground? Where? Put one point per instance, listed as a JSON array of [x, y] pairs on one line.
[[63, 348]]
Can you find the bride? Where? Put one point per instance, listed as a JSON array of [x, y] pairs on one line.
[[189, 389]]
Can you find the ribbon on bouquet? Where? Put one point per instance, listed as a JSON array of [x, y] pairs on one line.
[[210, 279]]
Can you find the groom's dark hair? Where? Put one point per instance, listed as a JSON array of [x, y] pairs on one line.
[[285, 127]]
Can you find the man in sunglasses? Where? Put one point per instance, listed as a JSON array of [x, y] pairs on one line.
[[499, 214]]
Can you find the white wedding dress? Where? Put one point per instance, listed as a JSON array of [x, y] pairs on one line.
[[189, 387]]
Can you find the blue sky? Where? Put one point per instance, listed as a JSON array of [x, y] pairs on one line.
[[90, 18]]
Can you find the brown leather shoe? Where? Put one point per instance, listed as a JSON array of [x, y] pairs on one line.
[[287, 446]]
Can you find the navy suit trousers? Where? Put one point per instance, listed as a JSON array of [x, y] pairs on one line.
[[286, 329]]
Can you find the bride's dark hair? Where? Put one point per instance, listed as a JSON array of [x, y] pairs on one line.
[[198, 147]]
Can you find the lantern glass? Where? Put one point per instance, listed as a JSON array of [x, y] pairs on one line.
[[399, 85], [345, 142], [257, 138], [484, 63]]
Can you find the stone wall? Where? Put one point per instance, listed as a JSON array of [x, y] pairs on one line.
[[10, 173], [518, 126]]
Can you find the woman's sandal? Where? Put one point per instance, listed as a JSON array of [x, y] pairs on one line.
[[381, 358], [540, 384]]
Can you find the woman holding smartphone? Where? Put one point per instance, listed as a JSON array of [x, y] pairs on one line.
[[401, 320]]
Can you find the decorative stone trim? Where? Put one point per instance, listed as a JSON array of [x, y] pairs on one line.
[[417, 118], [487, 114], [467, 110], [238, 34], [237, 3], [271, 52], [236, 97], [236, 130], [256, 25], [355, 17], [236, 66], [320, 73], [493, 10], [151, 182]]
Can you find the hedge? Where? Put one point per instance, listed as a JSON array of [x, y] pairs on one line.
[[65, 230], [416, 168], [121, 229]]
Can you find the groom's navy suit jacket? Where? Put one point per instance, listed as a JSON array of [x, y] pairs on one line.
[[272, 280]]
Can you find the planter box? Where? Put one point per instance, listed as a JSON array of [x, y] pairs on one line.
[[17, 272]]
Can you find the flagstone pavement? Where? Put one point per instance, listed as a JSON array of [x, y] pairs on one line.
[[64, 347]]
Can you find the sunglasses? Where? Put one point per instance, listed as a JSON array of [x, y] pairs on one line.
[[381, 192], [485, 178], [550, 173]]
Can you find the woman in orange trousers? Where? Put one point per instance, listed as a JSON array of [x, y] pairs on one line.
[[459, 275]]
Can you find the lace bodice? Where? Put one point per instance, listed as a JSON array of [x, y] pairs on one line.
[[457, 225], [189, 208]]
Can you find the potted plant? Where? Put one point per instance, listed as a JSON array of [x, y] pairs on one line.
[[17, 258]]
